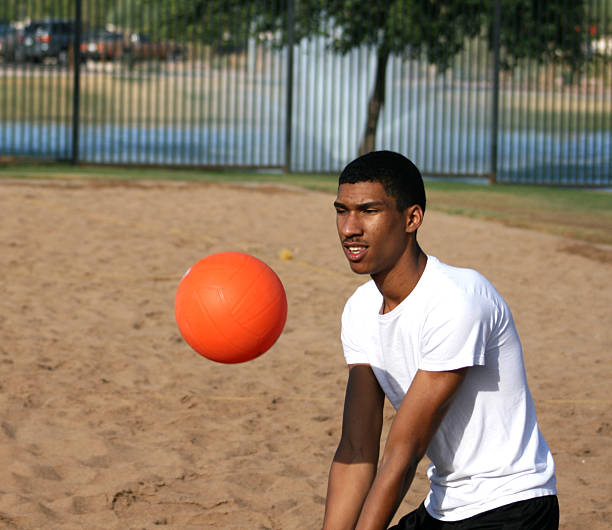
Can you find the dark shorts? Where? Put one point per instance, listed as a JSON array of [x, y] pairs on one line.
[[541, 513]]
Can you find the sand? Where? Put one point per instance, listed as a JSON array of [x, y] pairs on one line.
[[110, 421]]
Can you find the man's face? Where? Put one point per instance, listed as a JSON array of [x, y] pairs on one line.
[[371, 229]]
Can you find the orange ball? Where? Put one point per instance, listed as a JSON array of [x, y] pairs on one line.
[[230, 307]]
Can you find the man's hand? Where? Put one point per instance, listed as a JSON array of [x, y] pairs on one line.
[[354, 465]]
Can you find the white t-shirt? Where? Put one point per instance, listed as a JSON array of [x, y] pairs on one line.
[[488, 450]]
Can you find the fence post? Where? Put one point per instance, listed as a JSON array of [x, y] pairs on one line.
[[289, 95], [76, 65], [495, 41]]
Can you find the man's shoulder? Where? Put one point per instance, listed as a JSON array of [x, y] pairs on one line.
[[464, 294], [462, 281]]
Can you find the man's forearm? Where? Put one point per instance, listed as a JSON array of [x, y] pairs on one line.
[[347, 489], [354, 466], [385, 496]]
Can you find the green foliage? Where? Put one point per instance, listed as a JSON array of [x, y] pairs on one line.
[[225, 25], [540, 29], [537, 29], [17, 10], [543, 30]]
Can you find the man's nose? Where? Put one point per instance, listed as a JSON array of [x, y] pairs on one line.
[[350, 225]]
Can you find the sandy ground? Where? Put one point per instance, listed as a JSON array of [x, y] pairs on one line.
[[110, 421]]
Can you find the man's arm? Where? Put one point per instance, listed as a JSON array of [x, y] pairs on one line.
[[354, 465], [417, 420]]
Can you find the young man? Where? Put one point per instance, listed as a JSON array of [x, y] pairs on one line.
[[441, 344]]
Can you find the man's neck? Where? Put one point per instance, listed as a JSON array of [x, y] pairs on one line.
[[396, 284]]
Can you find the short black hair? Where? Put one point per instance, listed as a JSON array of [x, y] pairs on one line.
[[400, 178]]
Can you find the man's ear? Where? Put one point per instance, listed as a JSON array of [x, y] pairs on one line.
[[414, 218]]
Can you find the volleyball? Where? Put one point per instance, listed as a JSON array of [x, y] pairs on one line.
[[230, 307]]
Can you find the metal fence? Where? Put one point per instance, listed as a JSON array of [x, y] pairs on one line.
[[290, 84]]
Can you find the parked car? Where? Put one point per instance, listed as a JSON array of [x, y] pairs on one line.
[[9, 39], [101, 45], [47, 39], [140, 47]]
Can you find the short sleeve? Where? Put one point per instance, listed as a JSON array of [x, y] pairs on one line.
[[455, 334], [353, 354]]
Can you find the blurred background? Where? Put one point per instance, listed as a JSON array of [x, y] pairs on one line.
[[515, 91]]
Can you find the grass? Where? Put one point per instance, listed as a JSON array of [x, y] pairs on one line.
[[584, 215], [176, 92], [124, 97], [576, 213]]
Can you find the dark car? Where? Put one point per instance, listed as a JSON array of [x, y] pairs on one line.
[[141, 47], [9, 38], [101, 45], [47, 39]]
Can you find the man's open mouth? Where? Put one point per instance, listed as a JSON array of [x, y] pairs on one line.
[[355, 252]]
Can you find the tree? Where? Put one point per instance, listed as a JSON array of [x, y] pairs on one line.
[[544, 30]]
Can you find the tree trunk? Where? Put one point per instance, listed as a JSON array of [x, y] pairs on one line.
[[376, 102]]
